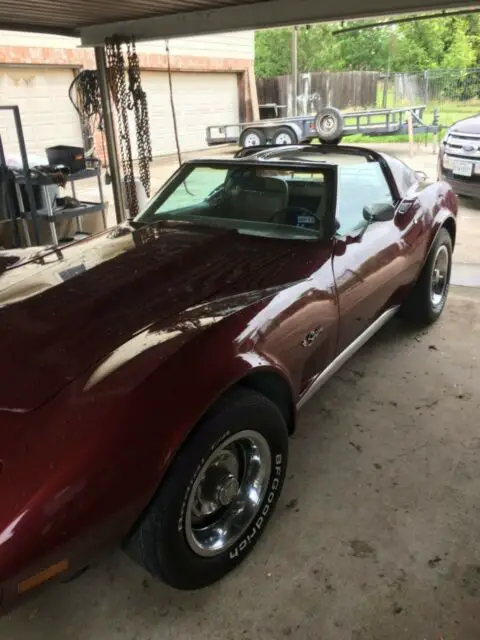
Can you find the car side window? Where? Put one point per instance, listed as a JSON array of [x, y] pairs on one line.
[[404, 176], [359, 185]]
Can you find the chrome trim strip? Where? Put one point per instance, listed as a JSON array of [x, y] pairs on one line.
[[342, 358], [459, 152], [464, 136]]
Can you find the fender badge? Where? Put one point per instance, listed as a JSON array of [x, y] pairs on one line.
[[311, 337]]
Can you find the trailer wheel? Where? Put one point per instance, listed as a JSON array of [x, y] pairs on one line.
[[252, 138], [285, 135], [329, 124]]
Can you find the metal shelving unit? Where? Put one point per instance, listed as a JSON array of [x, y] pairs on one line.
[[57, 214]]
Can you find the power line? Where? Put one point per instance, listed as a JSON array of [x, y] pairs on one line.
[[373, 25]]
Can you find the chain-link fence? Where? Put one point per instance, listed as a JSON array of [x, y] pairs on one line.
[[454, 94]]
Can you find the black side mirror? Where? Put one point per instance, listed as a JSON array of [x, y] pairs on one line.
[[380, 212]]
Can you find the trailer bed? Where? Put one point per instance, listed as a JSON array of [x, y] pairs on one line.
[[379, 122]]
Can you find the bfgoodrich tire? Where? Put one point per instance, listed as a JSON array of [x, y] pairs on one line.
[[218, 496], [427, 299]]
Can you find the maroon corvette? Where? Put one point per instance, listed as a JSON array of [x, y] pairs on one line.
[[152, 373]]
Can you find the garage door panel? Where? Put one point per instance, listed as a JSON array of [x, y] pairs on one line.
[[48, 117], [200, 99]]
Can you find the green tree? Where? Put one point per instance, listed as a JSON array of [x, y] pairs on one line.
[[439, 43], [443, 43], [364, 50], [273, 52]]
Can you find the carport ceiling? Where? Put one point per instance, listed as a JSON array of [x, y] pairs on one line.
[[93, 20]]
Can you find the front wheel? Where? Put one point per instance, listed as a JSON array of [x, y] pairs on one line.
[[252, 138], [427, 299], [218, 495]]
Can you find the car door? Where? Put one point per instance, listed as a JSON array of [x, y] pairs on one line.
[[371, 259]]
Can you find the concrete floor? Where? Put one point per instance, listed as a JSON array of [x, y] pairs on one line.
[[376, 535]]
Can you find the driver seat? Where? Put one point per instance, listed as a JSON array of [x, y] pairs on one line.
[[257, 198]]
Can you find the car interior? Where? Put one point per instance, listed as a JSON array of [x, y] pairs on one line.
[[298, 203]]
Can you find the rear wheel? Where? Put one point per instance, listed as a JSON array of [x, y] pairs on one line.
[[218, 495], [427, 299], [252, 138], [285, 135]]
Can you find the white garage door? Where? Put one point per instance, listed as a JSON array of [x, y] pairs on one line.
[[48, 117], [201, 99]]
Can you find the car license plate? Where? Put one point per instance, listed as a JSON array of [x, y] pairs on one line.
[[462, 168]]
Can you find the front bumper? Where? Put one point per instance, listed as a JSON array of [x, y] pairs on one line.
[[462, 186]]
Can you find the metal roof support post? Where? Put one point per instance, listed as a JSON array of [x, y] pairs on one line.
[[294, 71], [110, 135]]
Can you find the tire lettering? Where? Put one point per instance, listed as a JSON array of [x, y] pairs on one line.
[[235, 553]]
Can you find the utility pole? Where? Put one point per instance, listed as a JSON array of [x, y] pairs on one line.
[[294, 69]]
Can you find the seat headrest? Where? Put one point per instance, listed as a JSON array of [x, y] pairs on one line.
[[257, 197]]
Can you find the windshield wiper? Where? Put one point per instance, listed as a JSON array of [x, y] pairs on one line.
[[136, 224]]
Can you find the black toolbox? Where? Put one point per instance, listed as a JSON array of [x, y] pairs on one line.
[[71, 157]]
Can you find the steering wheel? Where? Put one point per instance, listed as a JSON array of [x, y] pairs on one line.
[[296, 211]]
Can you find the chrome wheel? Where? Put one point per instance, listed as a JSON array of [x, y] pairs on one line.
[[252, 140], [439, 279], [227, 493]]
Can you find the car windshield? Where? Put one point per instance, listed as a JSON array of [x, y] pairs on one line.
[[256, 200]]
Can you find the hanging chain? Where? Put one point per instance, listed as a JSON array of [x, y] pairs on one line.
[[138, 101], [126, 101], [88, 103], [127, 98]]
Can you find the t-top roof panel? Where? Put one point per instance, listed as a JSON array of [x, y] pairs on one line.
[[94, 20]]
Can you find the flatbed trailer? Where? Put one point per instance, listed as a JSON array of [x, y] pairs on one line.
[[296, 129]]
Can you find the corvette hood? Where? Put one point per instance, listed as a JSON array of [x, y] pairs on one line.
[[63, 310]]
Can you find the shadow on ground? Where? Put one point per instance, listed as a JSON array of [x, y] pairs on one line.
[[375, 536]]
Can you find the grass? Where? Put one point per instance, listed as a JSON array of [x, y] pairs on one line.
[[449, 113]]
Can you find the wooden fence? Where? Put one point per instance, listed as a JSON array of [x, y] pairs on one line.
[[342, 89]]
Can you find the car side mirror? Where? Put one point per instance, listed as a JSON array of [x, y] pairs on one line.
[[380, 212], [421, 176]]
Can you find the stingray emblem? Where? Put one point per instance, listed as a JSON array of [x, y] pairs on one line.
[[311, 337]]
